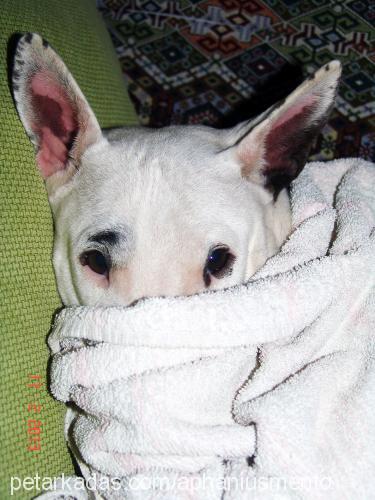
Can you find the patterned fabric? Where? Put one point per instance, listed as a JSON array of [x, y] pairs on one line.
[[217, 62], [32, 440]]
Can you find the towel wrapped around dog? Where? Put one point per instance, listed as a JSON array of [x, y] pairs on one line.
[[265, 390]]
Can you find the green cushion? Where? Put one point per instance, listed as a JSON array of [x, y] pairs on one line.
[[28, 291]]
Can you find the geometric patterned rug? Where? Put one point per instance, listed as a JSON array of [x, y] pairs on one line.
[[220, 62]]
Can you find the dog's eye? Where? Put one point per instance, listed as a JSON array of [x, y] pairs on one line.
[[96, 262], [219, 261]]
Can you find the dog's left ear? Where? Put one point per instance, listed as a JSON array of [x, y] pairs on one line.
[[275, 149], [53, 110]]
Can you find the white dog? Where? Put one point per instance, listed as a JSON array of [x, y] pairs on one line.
[[174, 211]]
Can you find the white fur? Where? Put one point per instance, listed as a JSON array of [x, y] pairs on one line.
[[179, 198], [172, 193]]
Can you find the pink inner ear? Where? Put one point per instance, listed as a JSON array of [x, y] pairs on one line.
[[55, 123], [297, 109], [286, 139]]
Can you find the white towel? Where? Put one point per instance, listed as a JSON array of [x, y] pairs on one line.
[[265, 390]]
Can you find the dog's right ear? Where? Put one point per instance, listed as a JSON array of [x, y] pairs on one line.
[[52, 108]]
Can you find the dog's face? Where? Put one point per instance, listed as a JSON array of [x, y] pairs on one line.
[[175, 211]]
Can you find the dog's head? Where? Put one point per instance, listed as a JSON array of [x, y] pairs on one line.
[[175, 211]]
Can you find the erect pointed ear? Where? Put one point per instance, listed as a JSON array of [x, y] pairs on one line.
[[275, 149], [53, 110]]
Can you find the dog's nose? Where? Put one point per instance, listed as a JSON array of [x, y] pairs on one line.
[[141, 299], [136, 301]]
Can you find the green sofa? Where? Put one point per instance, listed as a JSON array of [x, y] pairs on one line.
[[30, 418]]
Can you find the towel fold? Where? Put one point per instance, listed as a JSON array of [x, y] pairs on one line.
[[264, 390]]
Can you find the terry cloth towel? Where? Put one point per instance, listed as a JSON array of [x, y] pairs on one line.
[[265, 390]]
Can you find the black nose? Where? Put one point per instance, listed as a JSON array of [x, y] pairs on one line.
[[141, 299], [136, 301]]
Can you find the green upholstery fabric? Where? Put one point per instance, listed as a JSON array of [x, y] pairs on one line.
[[28, 292]]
